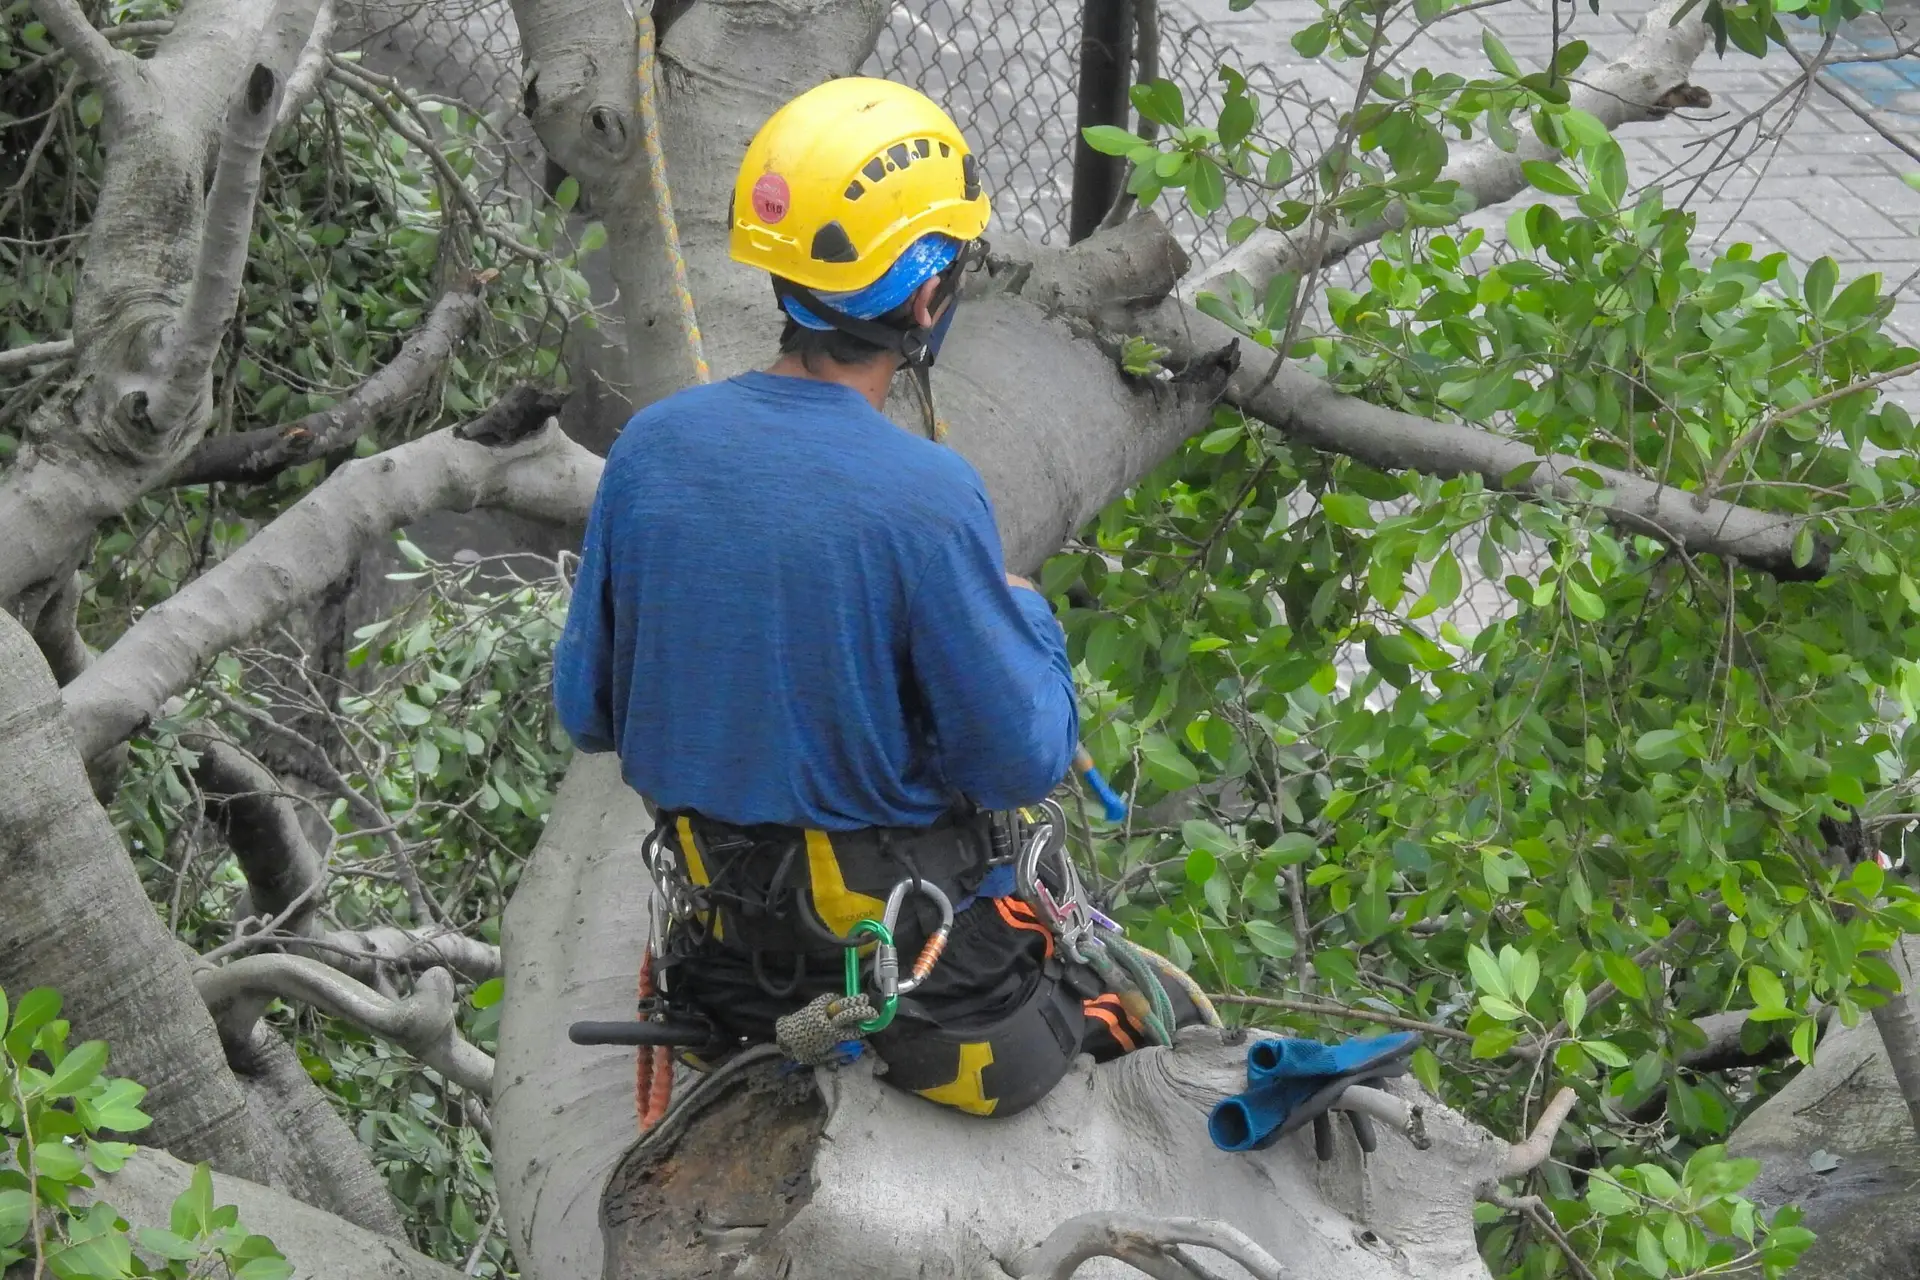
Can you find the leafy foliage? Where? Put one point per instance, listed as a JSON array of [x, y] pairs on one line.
[[56, 1103], [1649, 786]]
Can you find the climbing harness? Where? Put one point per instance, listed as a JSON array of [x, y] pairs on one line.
[[1091, 938]]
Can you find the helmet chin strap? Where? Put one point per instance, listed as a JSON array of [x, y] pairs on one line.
[[916, 346]]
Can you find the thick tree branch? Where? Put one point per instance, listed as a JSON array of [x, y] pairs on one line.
[[38, 353], [259, 454], [262, 827], [311, 71], [321, 1245], [423, 1023], [226, 238], [1146, 1243], [1646, 82], [123, 977], [367, 954], [544, 475], [112, 72], [1312, 412], [1525, 1157]]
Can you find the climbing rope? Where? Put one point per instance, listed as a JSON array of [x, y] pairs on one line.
[[653, 1065], [1181, 978], [648, 70]]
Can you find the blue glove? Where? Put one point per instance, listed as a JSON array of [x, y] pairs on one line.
[[1291, 1083]]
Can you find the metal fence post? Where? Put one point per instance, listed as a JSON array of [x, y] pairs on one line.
[[1105, 74]]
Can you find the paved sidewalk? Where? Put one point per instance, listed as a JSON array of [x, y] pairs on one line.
[[1823, 182]]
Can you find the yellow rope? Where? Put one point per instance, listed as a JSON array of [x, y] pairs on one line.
[[663, 195]]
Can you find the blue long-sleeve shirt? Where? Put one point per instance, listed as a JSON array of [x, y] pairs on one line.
[[788, 610]]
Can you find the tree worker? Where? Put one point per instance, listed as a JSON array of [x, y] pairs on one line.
[[792, 622]]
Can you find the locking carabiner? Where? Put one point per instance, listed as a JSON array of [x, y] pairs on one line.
[[936, 942], [886, 968]]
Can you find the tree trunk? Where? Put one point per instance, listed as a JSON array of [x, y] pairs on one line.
[[74, 916]]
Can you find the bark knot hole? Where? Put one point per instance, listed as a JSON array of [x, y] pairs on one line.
[[259, 89], [609, 127]]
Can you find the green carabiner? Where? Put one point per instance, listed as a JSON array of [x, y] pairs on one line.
[[891, 1001]]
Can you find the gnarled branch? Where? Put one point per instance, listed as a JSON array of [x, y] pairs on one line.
[[544, 475], [1147, 1243], [263, 452], [423, 1023]]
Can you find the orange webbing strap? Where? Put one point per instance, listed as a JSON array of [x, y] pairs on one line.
[[652, 1065]]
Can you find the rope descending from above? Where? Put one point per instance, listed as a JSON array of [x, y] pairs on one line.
[[653, 1067], [648, 71]]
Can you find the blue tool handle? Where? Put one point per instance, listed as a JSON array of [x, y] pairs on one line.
[[1116, 807]]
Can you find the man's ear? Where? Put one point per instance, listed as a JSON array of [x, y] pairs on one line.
[[923, 302]]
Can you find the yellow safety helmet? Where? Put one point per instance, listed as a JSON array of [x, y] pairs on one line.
[[841, 180]]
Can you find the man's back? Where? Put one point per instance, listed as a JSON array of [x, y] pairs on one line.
[[785, 602]]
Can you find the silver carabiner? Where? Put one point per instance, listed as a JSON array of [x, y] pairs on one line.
[[930, 953]]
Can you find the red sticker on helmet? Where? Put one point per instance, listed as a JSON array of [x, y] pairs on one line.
[[771, 198]]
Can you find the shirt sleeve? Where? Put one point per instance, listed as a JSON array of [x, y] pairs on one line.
[[991, 663], [583, 657]]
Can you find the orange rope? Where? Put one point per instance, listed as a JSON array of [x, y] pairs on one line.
[[652, 1065]]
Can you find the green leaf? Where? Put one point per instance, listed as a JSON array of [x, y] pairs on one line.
[[1161, 102], [1166, 765], [1573, 1006], [1817, 287], [1487, 977], [1624, 974], [58, 1161], [1280, 167], [1524, 975], [1348, 510], [89, 109], [166, 1244], [1311, 41], [265, 1269], [1546, 176], [1608, 165], [488, 993], [1497, 54], [1605, 1052], [1206, 188], [1237, 119], [1271, 940], [1111, 140], [1768, 993], [1585, 604], [77, 1070], [16, 1214], [1240, 228], [116, 1107], [35, 1010], [194, 1206]]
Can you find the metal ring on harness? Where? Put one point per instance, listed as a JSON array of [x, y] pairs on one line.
[[884, 959], [936, 943]]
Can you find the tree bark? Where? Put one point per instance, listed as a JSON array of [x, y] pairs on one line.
[[75, 917], [1646, 82], [307, 1145]]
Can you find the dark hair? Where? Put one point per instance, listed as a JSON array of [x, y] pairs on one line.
[[842, 348]]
